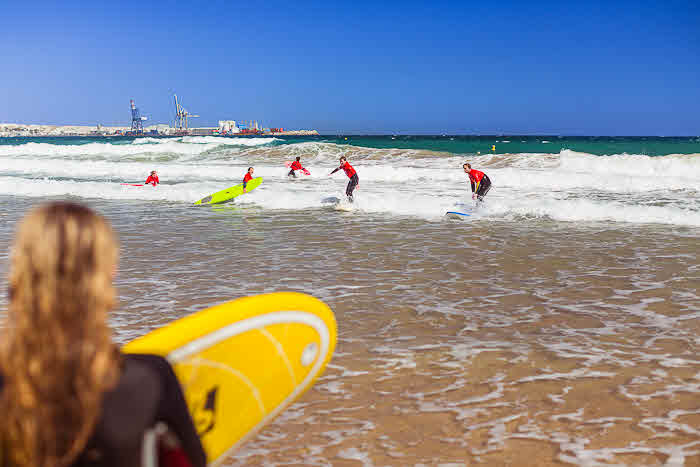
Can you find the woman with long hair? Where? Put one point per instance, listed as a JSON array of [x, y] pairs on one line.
[[67, 395]]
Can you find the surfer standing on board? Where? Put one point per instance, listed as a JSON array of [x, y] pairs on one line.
[[352, 175], [481, 184], [153, 178], [67, 394], [248, 177]]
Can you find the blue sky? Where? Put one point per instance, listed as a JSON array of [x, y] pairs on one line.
[[575, 68]]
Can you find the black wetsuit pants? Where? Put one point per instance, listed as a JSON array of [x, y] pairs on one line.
[[292, 174], [352, 184], [484, 187]]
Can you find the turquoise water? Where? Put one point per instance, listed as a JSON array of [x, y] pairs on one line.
[[597, 145], [650, 146]]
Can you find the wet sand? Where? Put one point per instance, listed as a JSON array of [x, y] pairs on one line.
[[527, 342]]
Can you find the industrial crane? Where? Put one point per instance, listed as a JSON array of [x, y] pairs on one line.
[[136, 119], [181, 116]]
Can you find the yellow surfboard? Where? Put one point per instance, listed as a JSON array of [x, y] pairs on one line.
[[230, 193], [243, 362]]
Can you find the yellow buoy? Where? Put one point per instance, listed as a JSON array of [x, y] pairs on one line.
[[493, 148]]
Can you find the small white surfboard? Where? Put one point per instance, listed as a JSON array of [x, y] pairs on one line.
[[338, 204], [344, 204], [331, 200]]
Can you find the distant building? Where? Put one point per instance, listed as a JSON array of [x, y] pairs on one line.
[[228, 126]]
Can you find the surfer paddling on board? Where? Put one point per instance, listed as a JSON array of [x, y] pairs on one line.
[[67, 394], [481, 184], [352, 175], [153, 178], [296, 165], [248, 177]]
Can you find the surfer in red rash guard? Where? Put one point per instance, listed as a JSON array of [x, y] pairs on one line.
[[352, 175], [296, 165], [248, 177], [153, 178], [481, 184]]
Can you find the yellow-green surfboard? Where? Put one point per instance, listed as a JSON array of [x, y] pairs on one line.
[[230, 193]]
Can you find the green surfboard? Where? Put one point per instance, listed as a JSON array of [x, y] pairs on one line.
[[229, 193]]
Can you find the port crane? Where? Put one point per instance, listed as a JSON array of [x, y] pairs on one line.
[[136, 119], [181, 116]]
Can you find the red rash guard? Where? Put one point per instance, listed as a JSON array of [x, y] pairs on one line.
[[153, 180], [296, 165], [475, 176], [349, 171], [248, 177]]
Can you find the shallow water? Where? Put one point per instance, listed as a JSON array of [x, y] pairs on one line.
[[557, 326]]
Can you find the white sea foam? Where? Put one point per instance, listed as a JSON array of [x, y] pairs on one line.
[[659, 168], [103, 170], [569, 186], [184, 146], [227, 141]]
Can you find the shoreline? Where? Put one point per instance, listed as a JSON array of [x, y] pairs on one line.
[[11, 130]]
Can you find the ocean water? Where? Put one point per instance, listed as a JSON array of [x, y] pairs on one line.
[[558, 325]]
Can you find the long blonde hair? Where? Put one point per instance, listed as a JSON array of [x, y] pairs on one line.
[[57, 356]]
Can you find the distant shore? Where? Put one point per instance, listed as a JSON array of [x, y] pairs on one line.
[[18, 129]]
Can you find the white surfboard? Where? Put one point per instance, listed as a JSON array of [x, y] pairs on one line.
[[344, 205]]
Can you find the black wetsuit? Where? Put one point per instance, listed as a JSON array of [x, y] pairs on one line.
[[352, 184], [484, 187], [148, 392]]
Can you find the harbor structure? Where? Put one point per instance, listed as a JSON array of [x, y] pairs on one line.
[[203, 131], [137, 128], [181, 117], [136, 119], [228, 127]]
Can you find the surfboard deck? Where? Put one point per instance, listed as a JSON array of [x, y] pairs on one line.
[[132, 184], [242, 363], [456, 215], [230, 193], [338, 203], [344, 205]]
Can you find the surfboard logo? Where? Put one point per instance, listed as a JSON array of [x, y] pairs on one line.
[[203, 410]]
